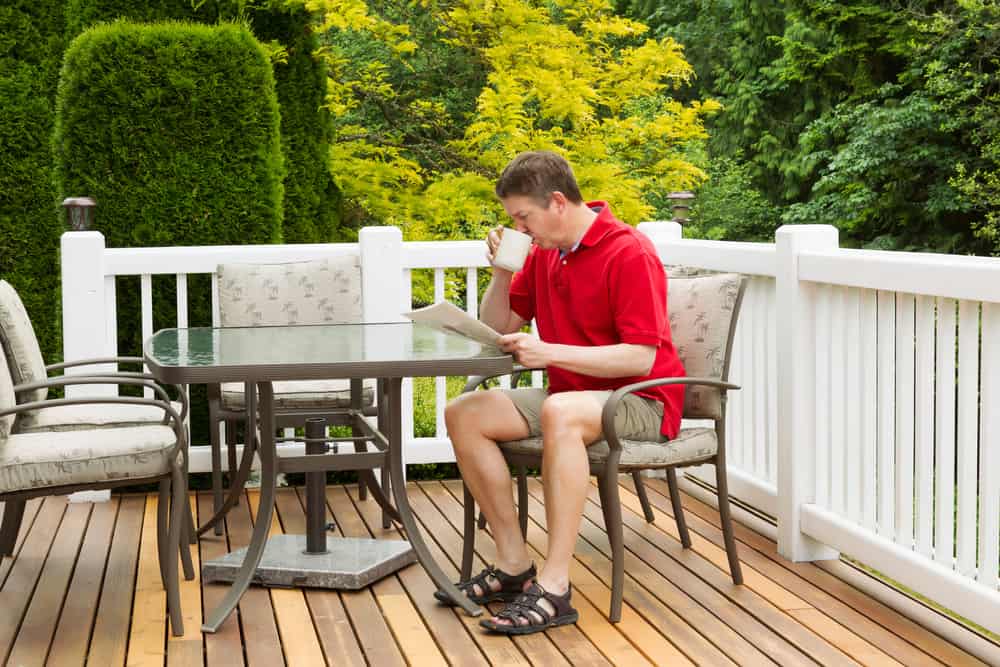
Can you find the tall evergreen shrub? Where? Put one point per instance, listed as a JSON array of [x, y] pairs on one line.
[[311, 204], [30, 53]]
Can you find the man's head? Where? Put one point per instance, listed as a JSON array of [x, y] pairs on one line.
[[540, 194]]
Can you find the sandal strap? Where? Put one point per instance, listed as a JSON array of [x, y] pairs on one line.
[[508, 582]]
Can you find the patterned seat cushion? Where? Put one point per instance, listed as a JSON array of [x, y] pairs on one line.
[[40, 460], [20, 346], [77, 417], [303, 394], [691, 444]]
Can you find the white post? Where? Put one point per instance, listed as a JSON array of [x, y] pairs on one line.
[[381, 274], [661, 233], [797, 389], [85, 325]]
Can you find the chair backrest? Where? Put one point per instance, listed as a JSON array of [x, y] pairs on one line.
[[20, 346], [326, 291], [703, 312], [7, 399]]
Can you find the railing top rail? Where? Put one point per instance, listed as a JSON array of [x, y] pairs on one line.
[[736, 256], [949, 276], [444, 254], [205, 259]]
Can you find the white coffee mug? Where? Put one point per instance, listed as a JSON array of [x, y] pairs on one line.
[[513, 249]]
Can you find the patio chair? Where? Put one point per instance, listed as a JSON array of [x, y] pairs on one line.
[[703, 315], [50, 461], [324, 291]]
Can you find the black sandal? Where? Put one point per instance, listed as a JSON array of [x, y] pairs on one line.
[[511, 585], [526, 607]]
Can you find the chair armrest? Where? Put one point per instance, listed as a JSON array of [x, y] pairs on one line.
[[94, 361], [476, 380], [132, 379], [611, 407]]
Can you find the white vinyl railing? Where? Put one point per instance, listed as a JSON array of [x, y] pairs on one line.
[[868, 421]]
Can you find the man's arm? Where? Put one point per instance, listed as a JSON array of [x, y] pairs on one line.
[[495, 309], [604, 361]]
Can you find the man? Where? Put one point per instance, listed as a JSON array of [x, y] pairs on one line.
[[597, 291]]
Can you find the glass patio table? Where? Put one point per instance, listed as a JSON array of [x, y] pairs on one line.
[[259, 356]]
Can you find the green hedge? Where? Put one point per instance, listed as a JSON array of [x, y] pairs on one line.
[[311, 204], [30, 53]]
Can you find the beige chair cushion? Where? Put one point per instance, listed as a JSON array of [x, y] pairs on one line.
[[20, 345], [690, 445], [701, 309], [7, 400], [303, 394], [77, 417], [40, 460], [324, 291]]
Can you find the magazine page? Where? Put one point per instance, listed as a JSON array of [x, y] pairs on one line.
[[449, 317]]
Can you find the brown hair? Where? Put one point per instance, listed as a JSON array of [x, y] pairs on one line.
[[537, 174]]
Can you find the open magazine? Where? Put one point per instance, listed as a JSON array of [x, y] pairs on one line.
[[449, 317]]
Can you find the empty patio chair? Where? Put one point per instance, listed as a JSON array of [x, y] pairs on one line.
[[703, 314], [50, 461], [326, 291]]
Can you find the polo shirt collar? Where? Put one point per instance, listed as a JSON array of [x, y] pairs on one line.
[[601, 226]]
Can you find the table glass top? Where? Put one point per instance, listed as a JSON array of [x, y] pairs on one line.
[[319, 344]]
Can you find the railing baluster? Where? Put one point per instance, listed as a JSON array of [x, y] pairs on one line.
[[759, 389], [852, 404], [904, 420], [838, 413], [146, 299], [886, 342], [182, 318], [968, 434], [824, 344], [771, 384], [989, 452], [924, 413], [440, 382], [869, 408], [944, 458]]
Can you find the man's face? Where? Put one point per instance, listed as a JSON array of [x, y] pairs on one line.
[[537, 221]]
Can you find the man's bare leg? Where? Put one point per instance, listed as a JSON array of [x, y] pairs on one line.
[[476, 422], [570, 422]]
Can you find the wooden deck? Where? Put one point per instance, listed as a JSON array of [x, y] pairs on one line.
[[84, 588]]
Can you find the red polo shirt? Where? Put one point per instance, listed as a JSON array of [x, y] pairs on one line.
[[612, 289]]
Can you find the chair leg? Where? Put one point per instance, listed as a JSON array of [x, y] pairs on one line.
[[522, 501], [640, 490], [481, 523], [13, 513], [173, 539], [162, 528], [469, 535], [231, 454], [675, 502], [611, 506], [216, 445], [722, 484], [387, 492]]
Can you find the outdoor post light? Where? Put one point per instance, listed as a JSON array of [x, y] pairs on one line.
[[680, 205], [79, 213]]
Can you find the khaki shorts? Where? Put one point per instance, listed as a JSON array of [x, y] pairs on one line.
[[638, 417]]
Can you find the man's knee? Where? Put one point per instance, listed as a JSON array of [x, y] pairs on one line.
[[575, 412]]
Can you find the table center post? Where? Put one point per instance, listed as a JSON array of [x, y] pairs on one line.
[[316, 489]]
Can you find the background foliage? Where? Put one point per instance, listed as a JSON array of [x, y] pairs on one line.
[[31, 43]]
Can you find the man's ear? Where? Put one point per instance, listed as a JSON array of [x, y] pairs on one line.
[[559, 199]]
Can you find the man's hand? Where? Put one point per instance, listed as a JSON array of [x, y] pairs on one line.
[[492, 243], [528, 350]]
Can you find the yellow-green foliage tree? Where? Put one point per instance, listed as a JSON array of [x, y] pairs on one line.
[[566, 75]]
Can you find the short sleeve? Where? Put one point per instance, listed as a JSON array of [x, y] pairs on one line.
[[522, 287], [638, 288]]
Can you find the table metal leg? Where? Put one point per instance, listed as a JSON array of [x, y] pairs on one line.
[[262, 525], [395, 437]]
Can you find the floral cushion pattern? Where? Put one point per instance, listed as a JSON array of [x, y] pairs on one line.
[[701, 309], [20, 345], [691, 445], [40, 460], [7, 400], [303, 394], [77, 417], [324, 291]]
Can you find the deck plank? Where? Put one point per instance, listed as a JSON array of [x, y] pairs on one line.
[[298, 636], [223, 648], [188, 649], [79, 611], [148, 633], [37, 629], [114, 612], [641, 641], [897, 626], [25, 570]]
